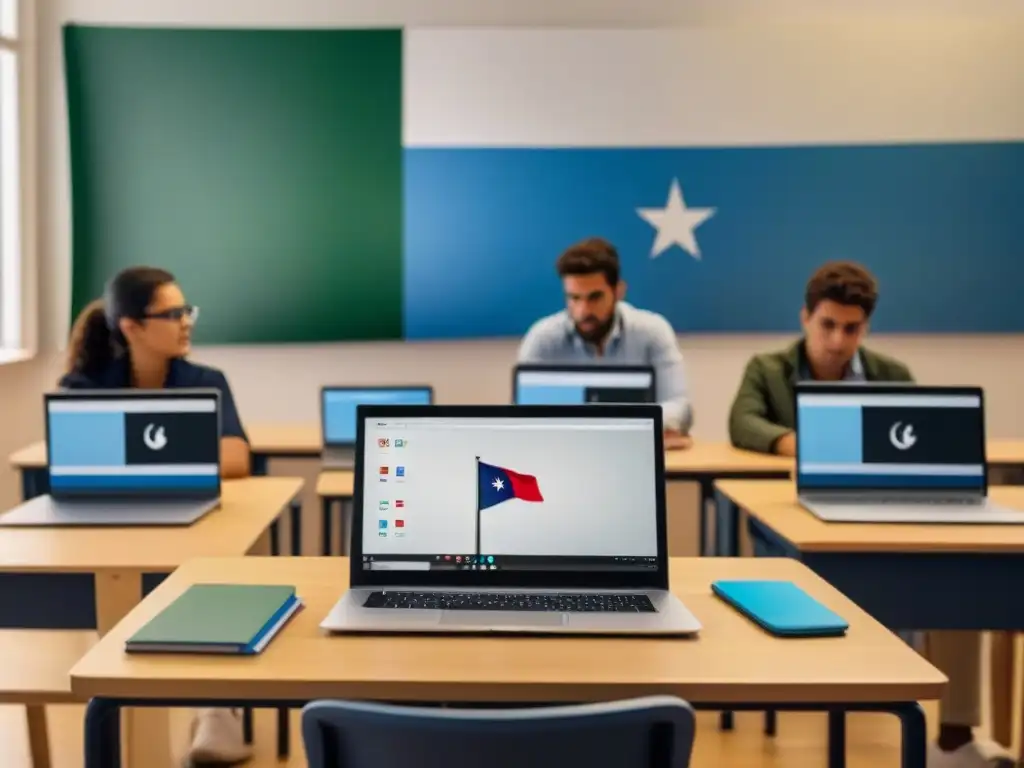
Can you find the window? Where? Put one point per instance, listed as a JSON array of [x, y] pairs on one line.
[[11, 293]]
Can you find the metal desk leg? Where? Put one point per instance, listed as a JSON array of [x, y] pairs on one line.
[[283, 733], [915, 735], [325, 526], [836, 739], [723, 525], [295, 512], [259, 463], [247, 726], [35, 481], [345, 511], [102, 734], [707, 495], [275, 538]]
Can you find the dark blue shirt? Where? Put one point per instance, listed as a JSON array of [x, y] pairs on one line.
[[181, 375]]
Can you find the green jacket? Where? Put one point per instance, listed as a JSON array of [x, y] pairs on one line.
[[764, 409]]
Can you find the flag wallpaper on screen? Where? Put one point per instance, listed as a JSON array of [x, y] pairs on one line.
[[497, 484], [420, 183]]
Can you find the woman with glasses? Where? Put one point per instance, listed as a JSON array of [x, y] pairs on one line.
[[137, 337]]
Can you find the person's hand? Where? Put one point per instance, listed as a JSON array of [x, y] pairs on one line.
[[786, 445], [676, 441]]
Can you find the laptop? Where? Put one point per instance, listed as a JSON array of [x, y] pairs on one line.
[[894, 453], [128, 458], [338, 416], [510, 519], [580, 384]]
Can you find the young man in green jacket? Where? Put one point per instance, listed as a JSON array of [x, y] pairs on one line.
[[838, 304]]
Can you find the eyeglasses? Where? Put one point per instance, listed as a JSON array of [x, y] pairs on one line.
[[175, 313]]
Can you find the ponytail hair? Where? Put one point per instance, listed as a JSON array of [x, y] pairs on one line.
[[96, 337], [92, 346]]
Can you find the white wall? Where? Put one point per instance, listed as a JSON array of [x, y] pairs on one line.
[[957, 52]]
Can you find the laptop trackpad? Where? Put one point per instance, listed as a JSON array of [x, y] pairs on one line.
[[499, 619]]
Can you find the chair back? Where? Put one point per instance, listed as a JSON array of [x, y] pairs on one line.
[[651, 732]]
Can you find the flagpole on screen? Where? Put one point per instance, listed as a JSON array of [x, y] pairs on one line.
[[478, 553]]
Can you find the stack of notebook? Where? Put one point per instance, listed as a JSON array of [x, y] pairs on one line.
[[218, 618]]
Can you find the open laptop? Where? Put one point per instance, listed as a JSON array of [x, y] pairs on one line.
[[533, 519], [894, 453], [128, 458], [338, 416], [580, 384]]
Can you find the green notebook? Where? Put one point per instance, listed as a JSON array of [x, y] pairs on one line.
[[219, 618]]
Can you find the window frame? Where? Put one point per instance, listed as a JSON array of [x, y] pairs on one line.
[[18, 263]]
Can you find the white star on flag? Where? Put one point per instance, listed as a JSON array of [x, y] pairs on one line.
[[497, 484], [675, 223]]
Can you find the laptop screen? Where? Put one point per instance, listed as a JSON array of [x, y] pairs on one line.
[[506, 494], [917, 438], [338, 407], [576, 385], [124, 445]]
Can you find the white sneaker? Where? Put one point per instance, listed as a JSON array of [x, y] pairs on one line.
[[217, 738], [973, 754]]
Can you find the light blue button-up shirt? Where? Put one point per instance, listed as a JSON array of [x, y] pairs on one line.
[[638, 337]]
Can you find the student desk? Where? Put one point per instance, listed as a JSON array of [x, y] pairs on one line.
[[1003, 455], [732, 663], [703, 463], [909, 577], [90, 578], [265, 442]]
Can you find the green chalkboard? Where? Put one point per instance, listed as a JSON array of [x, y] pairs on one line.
[[262, 167]]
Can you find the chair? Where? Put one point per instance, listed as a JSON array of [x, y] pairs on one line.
[[652, 732]]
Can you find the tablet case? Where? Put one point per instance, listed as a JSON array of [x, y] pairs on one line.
[[782, 608]]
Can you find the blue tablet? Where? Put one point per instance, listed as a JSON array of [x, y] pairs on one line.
[[782, 608]]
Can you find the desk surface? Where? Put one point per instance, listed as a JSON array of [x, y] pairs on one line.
[[732, 660], [773, 502], [248, 507], [335, 483]]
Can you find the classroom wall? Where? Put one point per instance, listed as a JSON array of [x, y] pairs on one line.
[[280, 383]]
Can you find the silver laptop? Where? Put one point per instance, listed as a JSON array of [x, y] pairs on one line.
[[580, 384], [510, 519], [338, 416], [894, 453], [128, 458]]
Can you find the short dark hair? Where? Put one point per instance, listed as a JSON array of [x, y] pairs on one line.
[[588, 257], [844, 282]]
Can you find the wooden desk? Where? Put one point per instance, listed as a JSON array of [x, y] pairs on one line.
[[773, 504], [90, 578], [733, 661], [910, 577], [266, 441]]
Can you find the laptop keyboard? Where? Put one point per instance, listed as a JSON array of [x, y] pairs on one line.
[[615, 602]]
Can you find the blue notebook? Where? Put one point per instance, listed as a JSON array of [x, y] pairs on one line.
[[782, 608]]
